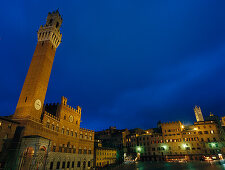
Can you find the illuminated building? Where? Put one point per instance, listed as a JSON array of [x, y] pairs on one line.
[[48, 135], [131, 140], [104, 156], [179, 142], [198, 114], [114, 138]]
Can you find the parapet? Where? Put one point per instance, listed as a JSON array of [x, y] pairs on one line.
[[64, 103], [56, 12], [86, 130], [172, 123], [52, 116]]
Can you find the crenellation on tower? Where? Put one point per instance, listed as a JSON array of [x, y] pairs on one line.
[[51, 30], [64, 103], [51, 116]]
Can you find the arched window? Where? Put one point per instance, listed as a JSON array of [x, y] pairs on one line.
[[53, 127], [42, 148], [58, 165], [57, 128], [51, 165], [63, 164], [74, 150], [54, 148], [78, 164], [68, 164], [81, 136], [50, 22], [48, 123], [89, 151]]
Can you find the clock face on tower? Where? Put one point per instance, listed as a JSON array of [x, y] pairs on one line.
[[37, 104], [71, 118]]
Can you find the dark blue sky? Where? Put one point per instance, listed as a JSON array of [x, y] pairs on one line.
[[127, 63]]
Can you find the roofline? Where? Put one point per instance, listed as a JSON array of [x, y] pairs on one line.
[[8, 119]]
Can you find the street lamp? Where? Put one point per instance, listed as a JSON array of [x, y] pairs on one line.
[[213, 145], [165, 147], [138, 148], [184, 146]]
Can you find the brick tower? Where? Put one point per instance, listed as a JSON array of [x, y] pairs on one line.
[[30, 104], [198, 114]]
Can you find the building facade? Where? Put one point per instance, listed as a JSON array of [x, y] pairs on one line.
[[9, 137], [51, 137], [179, 142], [104, 156], [114, 138]]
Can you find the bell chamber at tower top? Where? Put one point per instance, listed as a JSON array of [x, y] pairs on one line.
[[51, 30]]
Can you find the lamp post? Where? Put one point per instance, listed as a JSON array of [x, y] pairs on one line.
[[138, 150]]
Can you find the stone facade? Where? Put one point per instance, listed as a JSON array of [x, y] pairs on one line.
[[7, 130], [177, 141], [50, 135], [104, 156], [114, 138], [8, 133]]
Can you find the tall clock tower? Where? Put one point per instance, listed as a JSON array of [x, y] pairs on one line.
[[30, 104]]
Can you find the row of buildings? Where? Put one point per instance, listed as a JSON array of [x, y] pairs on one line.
[[170, 141], [49, 136]]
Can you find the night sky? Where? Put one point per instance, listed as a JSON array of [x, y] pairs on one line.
[[127, 63]]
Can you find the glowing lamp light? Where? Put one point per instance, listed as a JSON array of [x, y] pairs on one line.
[[195, 129], [139, 149], [182, 126], [220, 157], [184, 146], [164, 146], [213, 144]]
